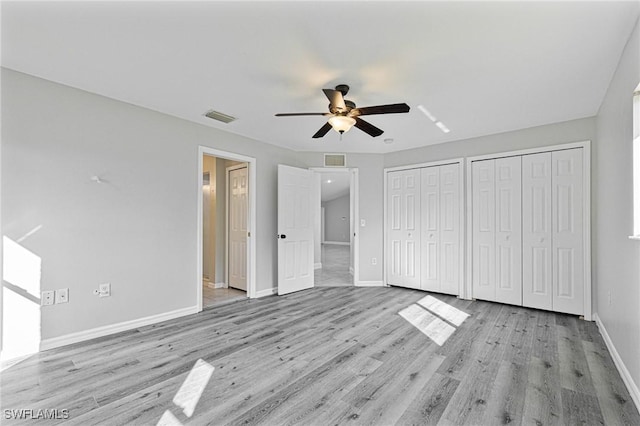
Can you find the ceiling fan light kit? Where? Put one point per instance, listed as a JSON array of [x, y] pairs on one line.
[[342, 123], [343, 114]]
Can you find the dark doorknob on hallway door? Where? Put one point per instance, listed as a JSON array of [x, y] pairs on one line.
[[282, 236]]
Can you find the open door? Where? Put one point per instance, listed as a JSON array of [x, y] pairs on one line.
[[295, 229]]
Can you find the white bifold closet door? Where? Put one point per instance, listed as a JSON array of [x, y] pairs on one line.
[[440, 224], [568, 231], [497, 235], [403, 228], [537, 236], [528, 230]]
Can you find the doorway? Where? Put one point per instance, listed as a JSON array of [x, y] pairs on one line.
[[226, 219], [336, 227]]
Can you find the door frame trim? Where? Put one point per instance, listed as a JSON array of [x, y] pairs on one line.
[[461, 200], [354, 184], [586, 209], [251, 226]]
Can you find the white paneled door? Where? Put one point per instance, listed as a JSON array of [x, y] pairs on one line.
[[568, 230], [484, 229], [508, 248], [440, 225], [537, 286], [403, 228], [528, 236], [238, 208], [295, 229]]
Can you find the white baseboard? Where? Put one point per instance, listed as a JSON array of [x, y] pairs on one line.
[[338, 243], [267, 292], [106, 330], [632, 387], [317, 265], [369, 284], [216, 285]]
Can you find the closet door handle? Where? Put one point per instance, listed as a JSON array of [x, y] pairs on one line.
[[282, 236]]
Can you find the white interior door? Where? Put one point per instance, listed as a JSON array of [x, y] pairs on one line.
[[403, 228], [484, 232], [568, 228], [237, 216], [537, 288], [450, 229], [508, 250], [430, 228], [295, 229]]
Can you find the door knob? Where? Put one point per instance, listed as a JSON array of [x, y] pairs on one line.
[[282, 236]]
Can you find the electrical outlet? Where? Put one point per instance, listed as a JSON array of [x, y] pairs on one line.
[[104, 290], [47, 297], [362, 222], [62, 295], [374, 261]]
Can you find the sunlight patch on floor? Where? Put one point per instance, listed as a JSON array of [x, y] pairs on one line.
[[433, 318], [445, 311], [189, 393]]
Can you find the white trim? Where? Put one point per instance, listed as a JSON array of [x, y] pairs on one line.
[[337, 243], [251, 241], [350, 270], [586, 208], [461, 239], [106, 330], [227, 205], [317, 265], [632, 387], [634, 237], [369, 284], [216, 285], [267, 292]]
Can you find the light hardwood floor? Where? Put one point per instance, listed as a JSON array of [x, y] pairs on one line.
[[335, 267], [335, 355]]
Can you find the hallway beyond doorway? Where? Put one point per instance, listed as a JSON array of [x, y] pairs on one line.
[[335, 267]]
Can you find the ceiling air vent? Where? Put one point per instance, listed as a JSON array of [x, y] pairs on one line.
[[215, 115], [335, 160]]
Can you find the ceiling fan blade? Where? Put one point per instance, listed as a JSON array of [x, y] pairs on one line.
[[380, 109], [368, 127], [323, 131], [293, 114], [335, 98]]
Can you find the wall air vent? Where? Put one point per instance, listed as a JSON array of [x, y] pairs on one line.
[[335, 160], [215, 115]]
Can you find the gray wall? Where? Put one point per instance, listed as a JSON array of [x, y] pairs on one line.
[[336, 219], [138, 229], [616, 259], [552, 134]]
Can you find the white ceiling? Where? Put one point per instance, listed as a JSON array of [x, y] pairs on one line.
[[480, 67]]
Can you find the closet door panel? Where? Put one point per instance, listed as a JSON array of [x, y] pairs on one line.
[[567, 228], [537, 286], [484, 233], [508, 230], [430, 239], [403, 228], [450, 229]]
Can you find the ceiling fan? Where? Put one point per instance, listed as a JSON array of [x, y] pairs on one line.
[[343, 113]]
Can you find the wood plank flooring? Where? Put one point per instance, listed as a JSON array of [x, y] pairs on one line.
[[332, 356]]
